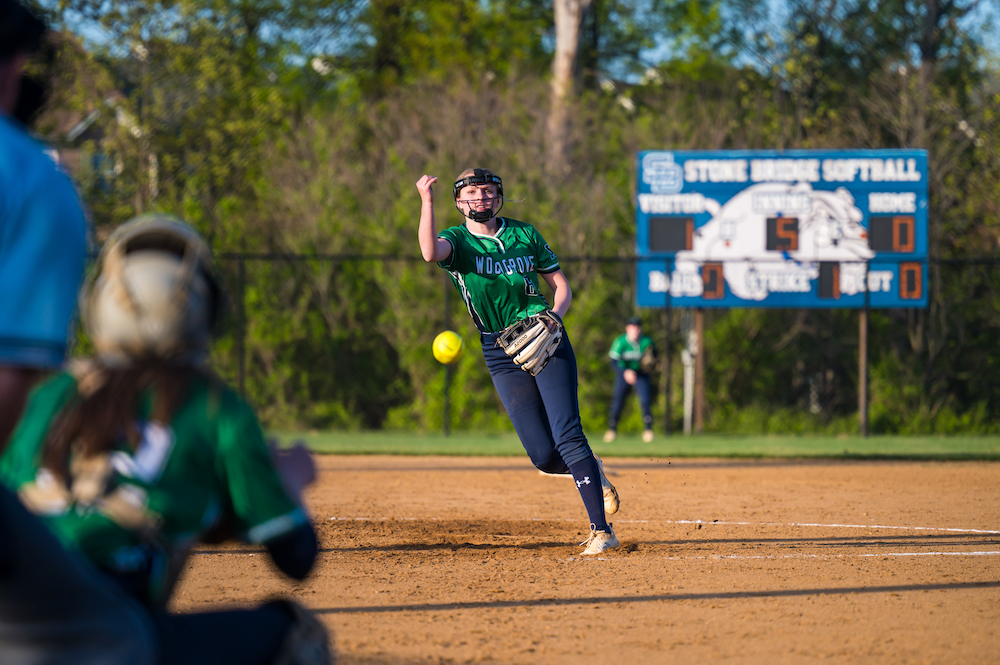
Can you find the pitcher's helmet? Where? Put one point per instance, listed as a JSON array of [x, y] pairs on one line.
[[478, 177], [152, 295]]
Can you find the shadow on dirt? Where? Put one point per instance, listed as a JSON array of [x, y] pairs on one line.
[[455, 541], [404, 547]]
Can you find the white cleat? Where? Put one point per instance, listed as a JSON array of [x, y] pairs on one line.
[[611, 502], [647, 436], [600, 541], [610, 436]]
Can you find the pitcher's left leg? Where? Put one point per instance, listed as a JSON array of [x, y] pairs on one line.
[[557, 384]]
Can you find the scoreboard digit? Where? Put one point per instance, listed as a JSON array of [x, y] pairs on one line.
[[892, 234], [713, 281], [782, 234], [911, 280], [829, 280]]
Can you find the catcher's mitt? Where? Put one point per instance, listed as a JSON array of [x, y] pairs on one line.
[[530, 343], [648, 361]]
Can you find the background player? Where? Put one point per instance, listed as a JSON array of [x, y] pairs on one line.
[[495, 262], [632, 357], [133, 456]]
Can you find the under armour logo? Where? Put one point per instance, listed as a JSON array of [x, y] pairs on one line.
[[585, 481]]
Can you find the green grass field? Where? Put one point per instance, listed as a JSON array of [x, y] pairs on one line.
[[833, 447]]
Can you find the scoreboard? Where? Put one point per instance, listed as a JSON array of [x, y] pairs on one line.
[[796, 228]]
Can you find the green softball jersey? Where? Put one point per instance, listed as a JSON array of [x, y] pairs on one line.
[[209, 462], [498, 275], [627, 354]]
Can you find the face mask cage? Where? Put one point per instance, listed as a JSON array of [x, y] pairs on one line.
[[479, 177]]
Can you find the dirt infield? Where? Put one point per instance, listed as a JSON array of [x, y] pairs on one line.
[[455, 560]]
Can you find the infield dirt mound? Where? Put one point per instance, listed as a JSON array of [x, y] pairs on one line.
[[454, 560]]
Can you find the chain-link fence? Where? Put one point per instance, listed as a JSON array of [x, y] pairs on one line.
[[345, 342]]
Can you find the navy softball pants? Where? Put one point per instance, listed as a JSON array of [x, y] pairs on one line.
[[544, 409], [622, 388]]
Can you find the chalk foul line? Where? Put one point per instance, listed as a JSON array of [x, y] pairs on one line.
[[701, 522], [739, 557], [825, 526]]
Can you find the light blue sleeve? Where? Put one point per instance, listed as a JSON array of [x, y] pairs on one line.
[[43, 244]]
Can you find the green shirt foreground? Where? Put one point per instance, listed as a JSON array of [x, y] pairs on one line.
[[209, 464], [627, 354]]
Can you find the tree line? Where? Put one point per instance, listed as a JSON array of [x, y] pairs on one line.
[[299, 129]]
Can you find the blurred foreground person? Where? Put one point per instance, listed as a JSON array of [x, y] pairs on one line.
[[43, 232], [54, 608], [135, 455]]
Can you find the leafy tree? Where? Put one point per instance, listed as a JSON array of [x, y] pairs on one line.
[[613, 36], [398, 42], [698, 31], [200, 84]]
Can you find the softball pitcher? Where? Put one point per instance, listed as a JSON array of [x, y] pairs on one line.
[[495, 262], [134, 456]]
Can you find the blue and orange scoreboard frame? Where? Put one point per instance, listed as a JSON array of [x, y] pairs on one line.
[[796, 228]]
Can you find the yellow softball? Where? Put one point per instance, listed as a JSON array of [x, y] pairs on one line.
[[448, 347]]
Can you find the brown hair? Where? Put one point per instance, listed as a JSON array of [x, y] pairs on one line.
[[93, 423]]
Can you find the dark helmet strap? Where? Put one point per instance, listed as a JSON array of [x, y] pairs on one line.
[[478, 177]]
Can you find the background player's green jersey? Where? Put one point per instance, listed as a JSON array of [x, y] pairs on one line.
[[209, 462], [627, 354], [498, 274]]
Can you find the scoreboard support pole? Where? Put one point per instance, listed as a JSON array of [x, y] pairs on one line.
[[863, 362], [699, 372], [667, 324], [687, 359]]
